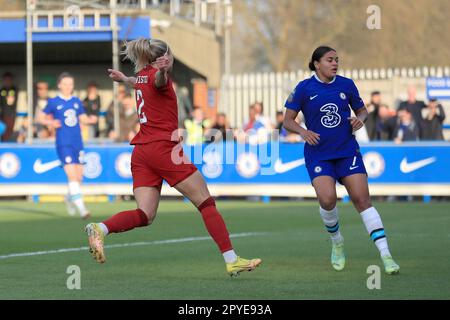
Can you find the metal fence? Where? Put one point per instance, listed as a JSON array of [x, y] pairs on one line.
[[241, 90]]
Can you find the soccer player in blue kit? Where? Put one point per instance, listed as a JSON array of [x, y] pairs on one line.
[[332, 152], [64, 113]]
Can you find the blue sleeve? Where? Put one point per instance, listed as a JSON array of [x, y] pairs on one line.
[[81, 110], [355, 100], [49, 108], [295, 99]]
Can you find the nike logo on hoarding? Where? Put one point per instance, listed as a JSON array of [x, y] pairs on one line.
[[281, 167], [406, 167], [40, 167]]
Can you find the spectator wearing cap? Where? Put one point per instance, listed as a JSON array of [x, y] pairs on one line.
[[432, 118]]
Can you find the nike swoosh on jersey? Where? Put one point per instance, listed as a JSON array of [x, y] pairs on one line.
[[406, 167], [313, 97], [353, 167], [281, 167], [40, 167]]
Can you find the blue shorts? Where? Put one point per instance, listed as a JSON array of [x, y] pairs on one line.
[[70, 155], [336, 168]]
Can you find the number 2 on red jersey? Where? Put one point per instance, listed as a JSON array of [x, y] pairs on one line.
[[140, 101]]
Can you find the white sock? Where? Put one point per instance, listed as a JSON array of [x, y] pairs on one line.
[[229, 256], [331, 222], [374, 226], [104, 228], [75, 197]]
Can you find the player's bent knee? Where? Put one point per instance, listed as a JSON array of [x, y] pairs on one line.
[[362, 204], [328, 204], [150, 214]]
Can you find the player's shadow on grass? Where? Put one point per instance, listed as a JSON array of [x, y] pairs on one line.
[[27, 210]]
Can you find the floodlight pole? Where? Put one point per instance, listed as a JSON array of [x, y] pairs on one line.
[[30, 7], [115, 62], [226, 36]]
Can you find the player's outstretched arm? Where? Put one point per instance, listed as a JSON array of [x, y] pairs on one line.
[[118, 76]]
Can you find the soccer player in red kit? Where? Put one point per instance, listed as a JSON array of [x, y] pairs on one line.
[[158, 156]]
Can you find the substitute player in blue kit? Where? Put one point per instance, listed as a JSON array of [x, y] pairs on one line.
[[331, 150], [64, 113]]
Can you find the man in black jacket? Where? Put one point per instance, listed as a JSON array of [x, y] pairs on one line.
[[432, 118]]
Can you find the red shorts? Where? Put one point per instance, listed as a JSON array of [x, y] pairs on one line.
[[158, 160]]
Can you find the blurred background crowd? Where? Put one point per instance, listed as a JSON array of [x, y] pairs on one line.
[[409, 120]]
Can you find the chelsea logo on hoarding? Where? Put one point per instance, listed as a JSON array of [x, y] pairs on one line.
[[9, 165], [123, 165], [374, 163], [247, 165]]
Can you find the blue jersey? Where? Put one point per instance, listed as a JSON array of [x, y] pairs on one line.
[[67, 112], [326, 107]]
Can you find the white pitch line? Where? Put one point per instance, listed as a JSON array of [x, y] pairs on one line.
[[122, 245]]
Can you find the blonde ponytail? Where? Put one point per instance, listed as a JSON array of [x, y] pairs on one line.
[[142, 51]]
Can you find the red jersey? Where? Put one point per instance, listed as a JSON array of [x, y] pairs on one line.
[[156, 108]]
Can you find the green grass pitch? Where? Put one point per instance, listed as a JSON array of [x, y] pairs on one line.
[[288, 236]]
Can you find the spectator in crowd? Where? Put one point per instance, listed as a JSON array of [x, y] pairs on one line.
[[109, 119], [432, 118], [218, 132], [292, 137], [413, 105], [40, 97], [8, 105], [254, 130], [129, 124], [40, 100], [385, 124], [279, 117], [373, 117], [261, 118], [92, 105], [184, 103], [283, 134], [195, 126], [406, 128], [251, 119], [2, 128]]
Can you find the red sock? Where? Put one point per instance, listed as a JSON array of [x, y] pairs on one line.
[[215, 224], [126, 220]]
